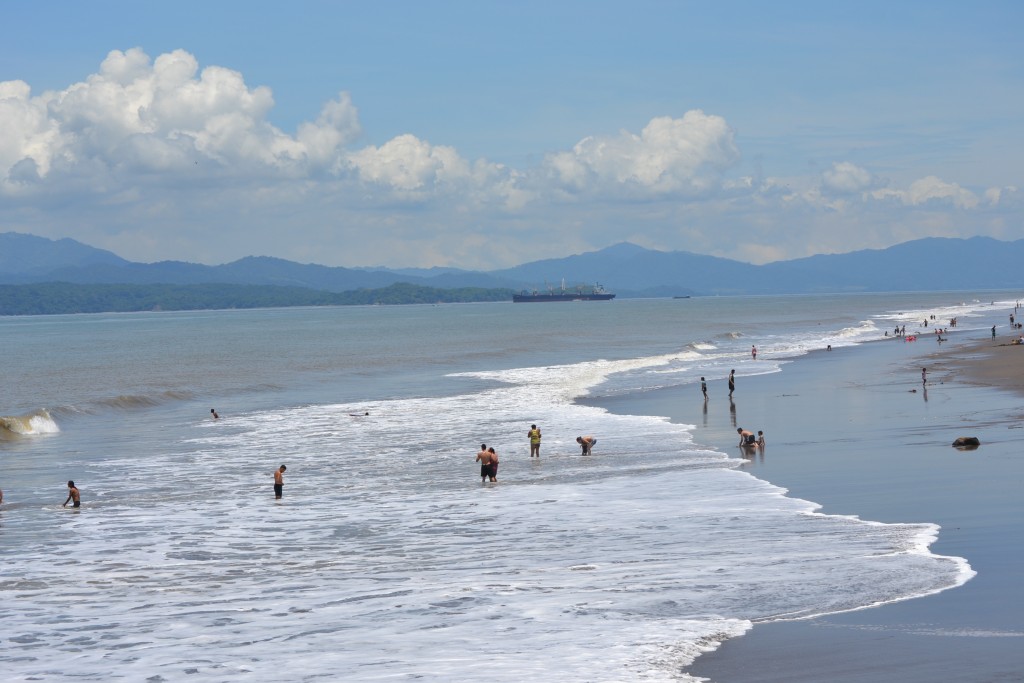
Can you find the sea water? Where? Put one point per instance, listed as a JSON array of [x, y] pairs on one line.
[[387, 558]]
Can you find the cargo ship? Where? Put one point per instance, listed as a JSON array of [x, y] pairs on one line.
[[579, 293]]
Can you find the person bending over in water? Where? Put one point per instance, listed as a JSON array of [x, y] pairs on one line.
[[74, 496], [746, 438], [587, 443]]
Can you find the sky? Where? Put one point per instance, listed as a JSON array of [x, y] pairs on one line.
[[482, 135]]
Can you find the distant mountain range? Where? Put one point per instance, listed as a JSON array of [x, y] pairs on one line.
[[626, 269]]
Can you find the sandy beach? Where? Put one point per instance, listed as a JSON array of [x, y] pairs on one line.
[[856, 431]]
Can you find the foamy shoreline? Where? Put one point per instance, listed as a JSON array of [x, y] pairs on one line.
[[854, 430]]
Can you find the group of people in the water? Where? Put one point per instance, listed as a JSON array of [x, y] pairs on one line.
[[488, 457], [731, 380], [748, 440]]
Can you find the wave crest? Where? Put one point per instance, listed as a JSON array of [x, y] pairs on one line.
[[32, 424]]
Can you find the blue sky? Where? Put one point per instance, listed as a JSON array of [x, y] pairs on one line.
[[483, 135]]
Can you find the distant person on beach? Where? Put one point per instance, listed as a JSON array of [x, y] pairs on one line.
[[586, 443], [704, 388], [732, 381], [74, 496], [746, 438], [534, 436], [214, 414], [924, 375], [753, 352], [484, 458], [993, 331], [760, 438], [494, 463], [279, 481]]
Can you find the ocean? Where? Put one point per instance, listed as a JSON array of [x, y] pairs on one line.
[[387, 558]]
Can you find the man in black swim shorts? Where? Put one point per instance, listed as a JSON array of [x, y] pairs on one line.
[[73, 495], [486, 468], [279, 481]]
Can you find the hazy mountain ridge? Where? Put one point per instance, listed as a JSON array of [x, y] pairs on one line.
[[27, 254], [627, 269]]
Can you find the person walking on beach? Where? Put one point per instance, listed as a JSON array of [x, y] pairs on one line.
[[279, 481], [74, 496], [753, 352], [924, 375], [484, 458], [704, 388], [993, 331], [534, 436], [732, 381], [746, 438], [587, 443]]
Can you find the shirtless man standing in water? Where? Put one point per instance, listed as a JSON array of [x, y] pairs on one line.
[[74, 496], [279, 481], [484, 458]]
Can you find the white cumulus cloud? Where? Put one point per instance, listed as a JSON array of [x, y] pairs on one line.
[[847, 178], [685, 155], [931, 189], [408, 163], [140, 115]]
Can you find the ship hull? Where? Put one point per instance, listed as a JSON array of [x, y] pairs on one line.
[[538, 298]]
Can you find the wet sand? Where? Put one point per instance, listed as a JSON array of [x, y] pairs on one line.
[[855, 431]]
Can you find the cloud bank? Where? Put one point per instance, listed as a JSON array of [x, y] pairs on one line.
[[159, 158]]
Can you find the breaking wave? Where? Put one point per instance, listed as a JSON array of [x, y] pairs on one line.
[[32, 424]]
